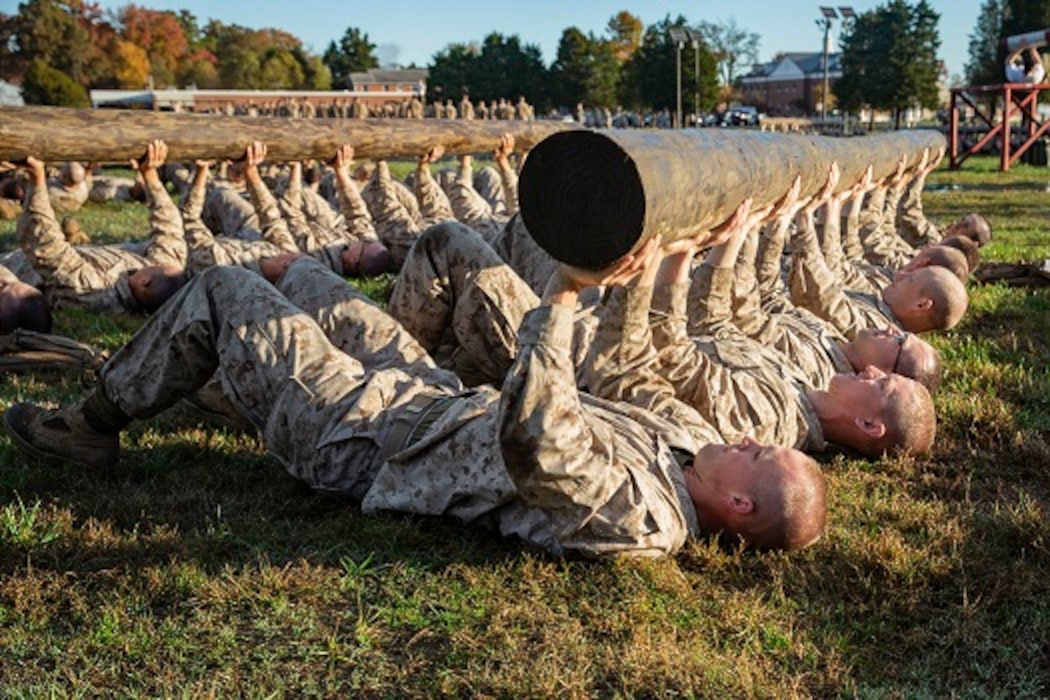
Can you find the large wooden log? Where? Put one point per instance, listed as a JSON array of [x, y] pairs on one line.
[[590, 197], [105, 135]]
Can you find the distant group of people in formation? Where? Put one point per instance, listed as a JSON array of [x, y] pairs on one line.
[[357, 108], [414, 108], [680, 392]]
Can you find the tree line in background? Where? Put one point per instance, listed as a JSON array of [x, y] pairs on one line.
[[58, 49]]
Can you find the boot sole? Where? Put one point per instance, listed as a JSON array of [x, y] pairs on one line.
[[29, 448]]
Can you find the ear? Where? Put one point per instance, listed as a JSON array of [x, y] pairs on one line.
[[740, 504], [872, 428], [924, 304]]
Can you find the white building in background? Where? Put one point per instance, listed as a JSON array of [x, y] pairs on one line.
[[10, 94]]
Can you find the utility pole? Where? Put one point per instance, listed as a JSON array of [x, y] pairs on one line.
[[679, 37], [848, 17], [829, 16], [695, 36]]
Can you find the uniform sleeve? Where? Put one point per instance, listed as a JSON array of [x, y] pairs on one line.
[[622, 363], [167, 244], [509, 177], [40, 235], [355, 211], [468, 206], [914, 226], [290, 205], [831, 238], [748, 315], [433, 202], [604, 490], [389, 216], [770, 250], [710, 299], [852, 248], [274, 228], [815, 287], [199, 239]]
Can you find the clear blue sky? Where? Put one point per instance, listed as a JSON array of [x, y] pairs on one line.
[[414, 30]]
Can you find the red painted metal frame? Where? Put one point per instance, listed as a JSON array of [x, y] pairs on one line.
[[1021, 99]]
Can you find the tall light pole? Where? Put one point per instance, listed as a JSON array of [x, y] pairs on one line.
[[696, 37], [848, 17], [829, 16], [679, 37]]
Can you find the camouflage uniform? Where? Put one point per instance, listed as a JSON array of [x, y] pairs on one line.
[[727, 378], [498, 188], [16, 262], [472, 209], [106, 188], [465, 305], [207, 250], [394, 224], [856, 274], [815, 287], [405, 195], [807, 344], [913, 225], [64, 198], [539, 461], [326, 244], [95, 277], [516, 246], [882, 245], [489, 185], [319, 212], [227, 212]]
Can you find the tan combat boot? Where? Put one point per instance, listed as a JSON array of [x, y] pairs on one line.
[[81, 433]]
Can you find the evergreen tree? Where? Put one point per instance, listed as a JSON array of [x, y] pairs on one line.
[[585, 70], [353, 54], [985, 66], [452, 71], [889, 59], [649, 79]]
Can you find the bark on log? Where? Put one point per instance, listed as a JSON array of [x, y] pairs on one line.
[[104, 135], [591, 197]]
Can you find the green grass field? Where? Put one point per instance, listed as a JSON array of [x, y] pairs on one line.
[[199, 568]]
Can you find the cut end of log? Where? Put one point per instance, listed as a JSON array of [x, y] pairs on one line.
[[582, 199]]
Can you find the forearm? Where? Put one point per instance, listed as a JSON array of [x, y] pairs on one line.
[[509, 178], [167, 240], [274, 228], [353, 207], [433, 203]]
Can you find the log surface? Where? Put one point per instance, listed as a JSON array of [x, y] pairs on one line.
[[112, 135], [591, 197]]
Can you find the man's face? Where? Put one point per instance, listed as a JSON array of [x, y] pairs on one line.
[[867, 392], [736, 467], [883, 347], [904, 290]]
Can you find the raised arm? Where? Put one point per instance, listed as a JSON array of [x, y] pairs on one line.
[[433, 202], [274, 228], [39, 233], [167, 244], [601, 477], [507, 173], [351, 203]]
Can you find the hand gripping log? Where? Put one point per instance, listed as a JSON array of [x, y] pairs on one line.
[[112, 135], [591, 197]]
